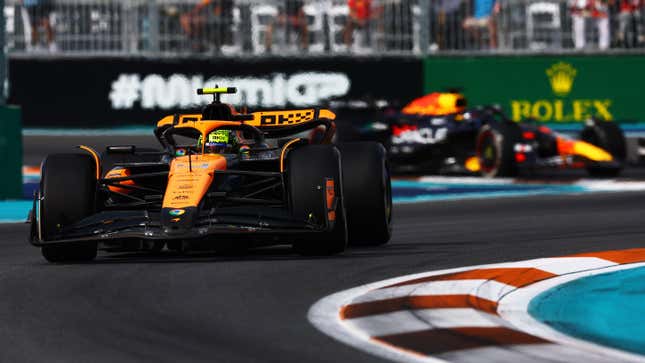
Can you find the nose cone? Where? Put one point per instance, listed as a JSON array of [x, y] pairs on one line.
[[178, 221]]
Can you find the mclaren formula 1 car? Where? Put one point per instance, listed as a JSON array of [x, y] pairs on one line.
[[438, 134], [223, 181]]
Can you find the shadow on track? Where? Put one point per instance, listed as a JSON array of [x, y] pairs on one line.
[[274, 253]]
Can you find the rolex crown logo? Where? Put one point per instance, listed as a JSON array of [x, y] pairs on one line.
[[561, 76]]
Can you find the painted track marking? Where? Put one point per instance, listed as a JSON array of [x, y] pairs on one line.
[[422, 318]]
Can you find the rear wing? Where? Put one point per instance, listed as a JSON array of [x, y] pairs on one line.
[[288, 117], [262, 119], [268, 123], [277, 124], [272, 124]]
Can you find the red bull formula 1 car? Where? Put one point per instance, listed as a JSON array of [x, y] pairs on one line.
[[437, 133], [223, 181]]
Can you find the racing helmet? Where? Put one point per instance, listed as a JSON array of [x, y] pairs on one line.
[[219, 142], [437, 104]]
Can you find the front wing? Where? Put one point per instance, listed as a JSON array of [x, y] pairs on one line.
[[235, 222]]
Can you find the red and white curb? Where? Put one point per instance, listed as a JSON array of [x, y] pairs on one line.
[[468, 314]]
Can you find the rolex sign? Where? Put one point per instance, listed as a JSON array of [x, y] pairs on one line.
[[546, 88]]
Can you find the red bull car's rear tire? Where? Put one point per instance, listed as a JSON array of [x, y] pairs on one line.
[[68, 188]]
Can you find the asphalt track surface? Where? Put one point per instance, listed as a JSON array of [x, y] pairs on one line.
[[206, 307]]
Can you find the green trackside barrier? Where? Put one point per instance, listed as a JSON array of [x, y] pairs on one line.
[[10, 153], [553, 89]]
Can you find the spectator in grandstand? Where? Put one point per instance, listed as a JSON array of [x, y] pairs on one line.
[[598, 11], [361, 13], [39, 17], [483, 18], [208, 25], [630, 13], [294, 20]]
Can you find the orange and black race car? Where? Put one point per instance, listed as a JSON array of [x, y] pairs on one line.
[[223, 181], [437, 133]]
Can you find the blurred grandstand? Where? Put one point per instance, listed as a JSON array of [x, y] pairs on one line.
[[319, 27]]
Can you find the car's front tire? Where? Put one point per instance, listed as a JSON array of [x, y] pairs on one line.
[[68, 191], [308, 168], [368, 193]]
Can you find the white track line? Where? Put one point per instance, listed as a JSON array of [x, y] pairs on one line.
[[398, 322], [485, 289], [408, 321], [565, 265]]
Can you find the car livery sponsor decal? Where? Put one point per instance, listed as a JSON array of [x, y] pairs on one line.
[[286, 118], [411, 134], [194, 165]]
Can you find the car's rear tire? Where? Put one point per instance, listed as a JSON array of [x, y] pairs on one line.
[[495, 149], [608, 136], [367, 193], [68, 191], [307, 169]]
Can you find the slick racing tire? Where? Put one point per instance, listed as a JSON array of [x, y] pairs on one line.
[[68, 191], [367, 193], [495, 149], [609, 137], [307, 169]]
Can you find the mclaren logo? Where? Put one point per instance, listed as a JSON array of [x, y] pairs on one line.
[[561, 76]]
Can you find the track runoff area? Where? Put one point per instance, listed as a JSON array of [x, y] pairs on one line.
[[506, 311]]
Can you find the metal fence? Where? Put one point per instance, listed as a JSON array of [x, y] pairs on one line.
[[315, 27]]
